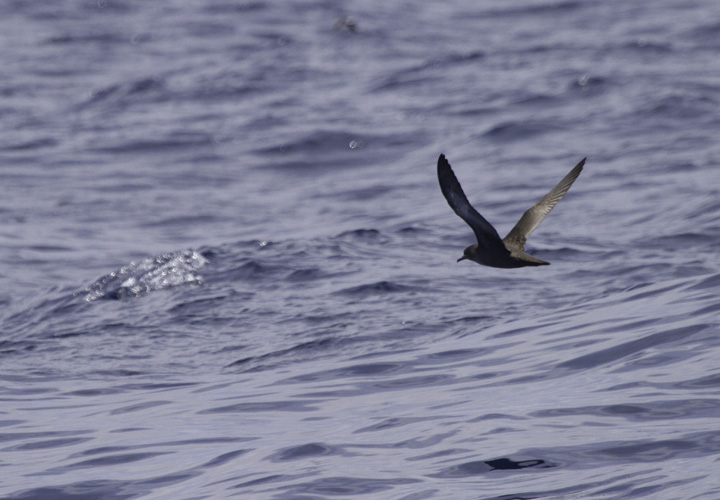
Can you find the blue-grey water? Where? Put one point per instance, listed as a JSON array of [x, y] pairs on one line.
[[227, 270]]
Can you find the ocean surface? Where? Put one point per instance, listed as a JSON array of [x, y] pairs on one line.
[[227, 269]]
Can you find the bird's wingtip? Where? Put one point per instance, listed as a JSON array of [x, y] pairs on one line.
[[580, 165], [442, 163]]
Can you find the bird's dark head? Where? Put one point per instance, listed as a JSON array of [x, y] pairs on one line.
[[468, 253]]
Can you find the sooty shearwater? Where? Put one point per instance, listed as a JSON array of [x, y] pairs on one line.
[[490, 250]]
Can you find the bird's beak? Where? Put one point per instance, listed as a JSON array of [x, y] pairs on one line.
[[462, 258]]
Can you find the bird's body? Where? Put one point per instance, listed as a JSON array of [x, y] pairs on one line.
[[490, 250]]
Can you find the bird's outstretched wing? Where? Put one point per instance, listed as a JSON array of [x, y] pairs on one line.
[[488, 238], [532, 217]]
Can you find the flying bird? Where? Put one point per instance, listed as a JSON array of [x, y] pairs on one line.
[[490, 250]]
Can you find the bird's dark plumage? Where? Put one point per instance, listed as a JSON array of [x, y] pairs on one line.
[[490, 250]]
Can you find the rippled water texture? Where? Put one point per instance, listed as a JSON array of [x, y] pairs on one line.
[[228, 270]]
